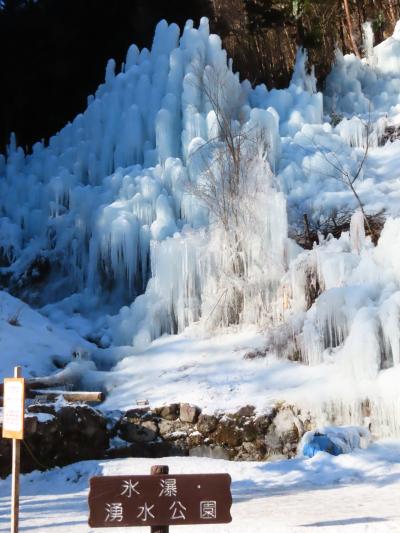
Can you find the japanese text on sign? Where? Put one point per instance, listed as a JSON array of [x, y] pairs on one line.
[[152, 500]]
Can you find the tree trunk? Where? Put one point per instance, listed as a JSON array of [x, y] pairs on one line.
[[350, 28]]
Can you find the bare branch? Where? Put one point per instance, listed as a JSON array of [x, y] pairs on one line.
[[345, 176]]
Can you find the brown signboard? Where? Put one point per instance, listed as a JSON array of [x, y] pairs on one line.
[[13, 408], [183, 499]]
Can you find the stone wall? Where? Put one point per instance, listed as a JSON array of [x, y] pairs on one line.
[[56, 436]]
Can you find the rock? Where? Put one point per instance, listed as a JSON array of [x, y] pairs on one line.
[[79, 432], [140, 413], [262, 423], [30, 425], [214, 452], [254, 354], [147, 431], [138, 425], [189, 413], [249, 451], [284, 433], [84, 433], [40, 424], [174, 429], [250, 431], [169, 412], [195, 439], [247, 411], [41, 408], [206, 424], [166, 427], [228, 433]]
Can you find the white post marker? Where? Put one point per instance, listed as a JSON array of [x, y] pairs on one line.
[[13, 428]]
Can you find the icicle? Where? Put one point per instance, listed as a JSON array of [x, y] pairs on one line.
[[110, 73], [357, 231], [368, 42]]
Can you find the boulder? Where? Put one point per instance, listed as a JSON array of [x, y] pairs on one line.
[[169, 412], [195, 439], [174, 429], [284, 433], [262, 423], [139, 413], [250, 431], [146, 431], [250, 451], [206, 424], [246, 412], [84, 433], [214, 452], [189, 413], [228, 433]]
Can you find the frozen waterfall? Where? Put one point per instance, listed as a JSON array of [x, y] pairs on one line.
[[111, 208]]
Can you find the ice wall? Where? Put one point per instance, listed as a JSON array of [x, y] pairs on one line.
[[109, 208], [355, 317], [108, 200], [366, 86], [194, 278]]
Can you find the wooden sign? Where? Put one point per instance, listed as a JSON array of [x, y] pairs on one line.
[[13, 408], [183, 499]]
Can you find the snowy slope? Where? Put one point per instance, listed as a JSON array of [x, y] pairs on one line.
[[29, 339]]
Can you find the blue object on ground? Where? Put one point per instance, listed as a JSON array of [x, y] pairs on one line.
[[321, 443]]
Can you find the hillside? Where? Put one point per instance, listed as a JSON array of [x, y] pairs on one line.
[[48, 45]]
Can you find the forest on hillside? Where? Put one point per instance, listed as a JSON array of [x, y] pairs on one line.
[[53, 52]]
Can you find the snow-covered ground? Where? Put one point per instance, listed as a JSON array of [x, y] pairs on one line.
[[350, 493], [214, 374]]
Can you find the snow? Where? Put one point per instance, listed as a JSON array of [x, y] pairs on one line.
[[43, 418], [35, 343], [346, 438], [213, 374], [289, 496]]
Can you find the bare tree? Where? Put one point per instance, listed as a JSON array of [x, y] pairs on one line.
[[350, 176], [226, 155], [226, 184]]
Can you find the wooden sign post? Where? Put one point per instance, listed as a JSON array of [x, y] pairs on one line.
[[13, 428], [159, 500], [156, 470]]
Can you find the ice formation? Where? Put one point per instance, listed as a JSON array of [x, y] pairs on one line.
[[110, 214]]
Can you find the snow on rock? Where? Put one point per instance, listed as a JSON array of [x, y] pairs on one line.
[[344, 439]]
